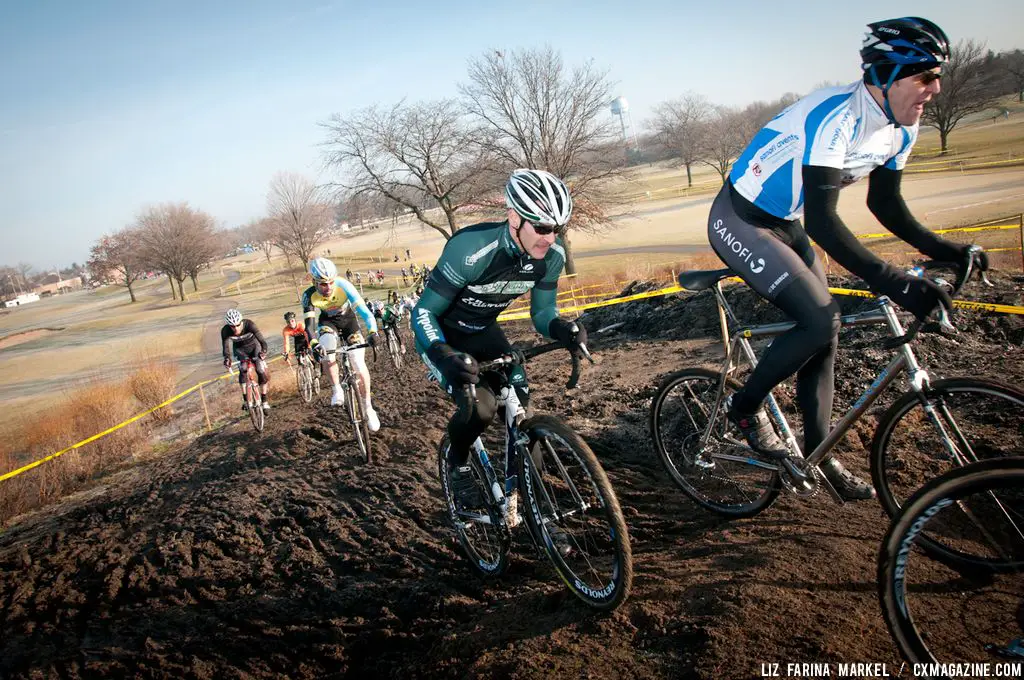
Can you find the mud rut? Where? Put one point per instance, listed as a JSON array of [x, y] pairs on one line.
[[282, 556]]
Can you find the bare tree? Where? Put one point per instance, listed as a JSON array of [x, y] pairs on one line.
[[728, 132], [680, 125], [25, 272], [1013, 65], [968, 86], [11, 279], [416, 155], [177, 240], [300, 218], [263, 232], [118, 257], [204, 243], [538, 114]]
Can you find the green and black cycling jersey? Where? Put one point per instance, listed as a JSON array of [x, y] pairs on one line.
[[479, 274]]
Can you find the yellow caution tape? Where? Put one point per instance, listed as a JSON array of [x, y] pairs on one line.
[[115, 428], [947, 231]]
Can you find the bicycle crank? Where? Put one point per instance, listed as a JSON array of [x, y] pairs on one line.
[[798, 481]]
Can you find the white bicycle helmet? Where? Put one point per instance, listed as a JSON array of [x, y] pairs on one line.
[[539, 197], [233, 317], [322, 269]]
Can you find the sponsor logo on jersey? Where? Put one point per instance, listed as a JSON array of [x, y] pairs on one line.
[[474, 302], [423, 319], [502, 287], [756, 169], [475, 257], [528, 267]]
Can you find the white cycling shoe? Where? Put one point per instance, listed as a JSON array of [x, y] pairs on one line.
[[337, 397], [372, 421]]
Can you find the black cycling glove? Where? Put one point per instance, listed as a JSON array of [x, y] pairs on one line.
[[572, 334], [917, 295], [457, 368], [373, 339]]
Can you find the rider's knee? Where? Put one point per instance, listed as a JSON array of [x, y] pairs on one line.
[[823, 325], [476, 413]]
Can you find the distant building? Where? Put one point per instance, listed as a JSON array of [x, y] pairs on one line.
[[22, 299], [53, 284]]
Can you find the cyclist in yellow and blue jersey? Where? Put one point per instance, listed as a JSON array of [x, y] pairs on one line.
[[338, 302]]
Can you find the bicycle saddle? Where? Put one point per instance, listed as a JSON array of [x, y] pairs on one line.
[[702, 279]]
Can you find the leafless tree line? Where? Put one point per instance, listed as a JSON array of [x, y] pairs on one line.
[[174, 239], [443, 160], [446, 160]]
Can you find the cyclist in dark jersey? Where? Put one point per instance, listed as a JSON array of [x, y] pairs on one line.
[[241, 338], [482, 269], [794, 168]]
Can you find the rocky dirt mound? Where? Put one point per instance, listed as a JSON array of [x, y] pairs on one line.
[[281, 555]]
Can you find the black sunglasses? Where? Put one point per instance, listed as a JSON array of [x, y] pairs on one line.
[[544, 230], [929, 77]]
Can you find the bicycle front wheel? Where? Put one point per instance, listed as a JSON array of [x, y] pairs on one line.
[[720, 475], [935, 613], [573, 513], [481, 531], [356, 415], [305, 378], [256, 414], [393, 350], [958, 421]]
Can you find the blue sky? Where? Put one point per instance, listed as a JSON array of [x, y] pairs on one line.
[[109, 106]]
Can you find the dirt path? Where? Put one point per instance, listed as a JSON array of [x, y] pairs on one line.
[[280, 555]]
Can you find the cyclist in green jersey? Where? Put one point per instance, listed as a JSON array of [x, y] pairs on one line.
[[482, 269]]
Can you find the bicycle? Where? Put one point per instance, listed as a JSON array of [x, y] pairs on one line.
[[349, 380], [967, 607], [307, 376], [563, 486], [393, 346], [712, 464], [253, 399]]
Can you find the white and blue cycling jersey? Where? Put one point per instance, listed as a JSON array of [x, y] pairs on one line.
[[836, 127]]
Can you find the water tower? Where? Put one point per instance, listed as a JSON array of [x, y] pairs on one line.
[[620, 108]]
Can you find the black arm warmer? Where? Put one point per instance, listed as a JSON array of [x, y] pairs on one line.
[[822, 223], [886, 203]]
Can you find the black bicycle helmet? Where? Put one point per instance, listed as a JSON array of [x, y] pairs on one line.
[[900, 48], [897, 48], [288, 316]]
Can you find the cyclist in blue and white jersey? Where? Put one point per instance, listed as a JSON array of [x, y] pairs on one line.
[[795, 167], [338, 301]]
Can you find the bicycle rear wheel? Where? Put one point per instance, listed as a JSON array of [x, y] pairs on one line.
[[256, 414], [484, 537], [721, 476], [356, 415], [983, 419], [573, 513], [935, 613]]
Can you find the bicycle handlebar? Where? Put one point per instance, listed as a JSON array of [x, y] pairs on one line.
[[944, 322], [521, 356]]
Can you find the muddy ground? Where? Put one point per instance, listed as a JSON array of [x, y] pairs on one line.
[[281, 555]]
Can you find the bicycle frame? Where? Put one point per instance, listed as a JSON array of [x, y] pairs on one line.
[[904, 361], [509, 404]]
